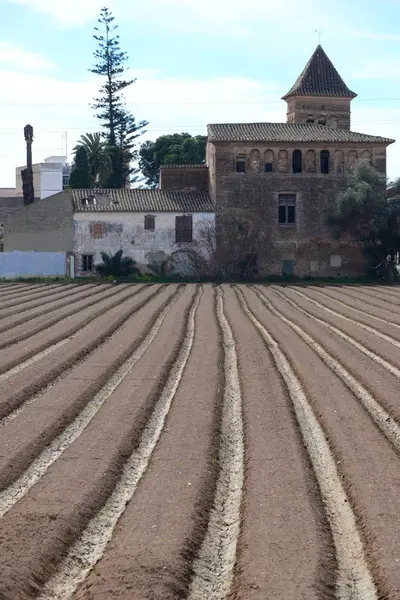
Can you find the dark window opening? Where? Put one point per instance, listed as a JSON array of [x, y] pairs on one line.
[[322, 121], [324, 158], [87, 262], [310, 119], [268, 167], [287, 209], [149, 223], [297, 161], [184, 229], [241, 165]]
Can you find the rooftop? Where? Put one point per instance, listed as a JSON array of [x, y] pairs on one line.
[[288, 132], [136, 200], [320, 78], [200, 166]]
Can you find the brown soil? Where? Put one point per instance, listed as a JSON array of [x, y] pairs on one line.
[[285, 550]]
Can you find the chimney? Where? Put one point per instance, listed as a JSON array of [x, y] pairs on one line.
[[27, 174]]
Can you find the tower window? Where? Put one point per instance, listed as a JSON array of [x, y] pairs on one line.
[[324, 161], [287, 209], [268, 167], [241, 164], [310, 119], [322, 120], [297, 161]]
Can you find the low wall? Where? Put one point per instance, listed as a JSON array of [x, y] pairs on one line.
[[32, 264]]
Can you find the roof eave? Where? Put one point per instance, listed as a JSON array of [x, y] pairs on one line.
[[294, 93]]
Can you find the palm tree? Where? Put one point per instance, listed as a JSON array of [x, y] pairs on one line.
[[99, 158], [117, 266]]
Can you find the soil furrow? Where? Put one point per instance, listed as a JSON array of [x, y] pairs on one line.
[[35, 379], [21, 288], [285, 548], [367, 311], [389, 427], [9, 308], [362, 296], [354, 325], [353, 312], [162, 528], [214, 567], [71, 293], [111, 481], [57, 447], [368, 465], [14, 328], [354, 579], [68, 325], [34, 293], [382, 293]]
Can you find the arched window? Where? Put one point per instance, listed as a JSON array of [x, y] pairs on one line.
[[283, 161], [322, 120], [324, 161], [311, 161], [310, 119], [339, 161], [269, 161], [297, 161]]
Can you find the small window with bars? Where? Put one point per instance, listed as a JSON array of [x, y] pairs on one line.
[[184, 229], [287, 209], [149, 223], [87, 262]]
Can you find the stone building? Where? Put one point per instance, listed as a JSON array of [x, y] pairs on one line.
[[287, 175]]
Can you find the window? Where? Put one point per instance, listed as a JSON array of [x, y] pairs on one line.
[[310, 119], [287, 267], [241, 165], [268, 167], [149, 223], [336, 260], [322, 120], [97, 230], [87, 262], [297, 161], [287, 209], [65, 181], [184, 229], [324, 156]]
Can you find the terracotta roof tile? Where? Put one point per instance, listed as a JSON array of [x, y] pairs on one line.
[[147, 200], [320, 78], [200, 166], [288, 133]]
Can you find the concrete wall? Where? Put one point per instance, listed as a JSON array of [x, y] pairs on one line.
[[30, 264], [308, 242], [47, 179], [44, 226], [184, 177], [126, 231]]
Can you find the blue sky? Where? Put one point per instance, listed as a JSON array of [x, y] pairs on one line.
[[196, 63]]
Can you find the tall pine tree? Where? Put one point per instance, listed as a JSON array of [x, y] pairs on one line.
[[121, 127]]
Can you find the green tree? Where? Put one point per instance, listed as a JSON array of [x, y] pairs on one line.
[[120, 125], [99, 157], [80, 172], [176, 148], [117, 266], [362, 212]]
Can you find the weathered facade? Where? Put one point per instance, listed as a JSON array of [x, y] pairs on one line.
[[286, 176]]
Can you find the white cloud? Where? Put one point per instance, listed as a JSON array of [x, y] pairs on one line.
[[14, 56]]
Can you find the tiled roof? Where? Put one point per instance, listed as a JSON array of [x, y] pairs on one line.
[[136, 200], [287, 132], [184, 166], [320, 78]]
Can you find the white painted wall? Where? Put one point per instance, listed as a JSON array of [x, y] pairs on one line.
[[30, 264], [126, 230], [47, 177]]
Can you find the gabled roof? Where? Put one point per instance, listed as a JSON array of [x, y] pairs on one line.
[[320, 78], [288, 132], [136, 200]]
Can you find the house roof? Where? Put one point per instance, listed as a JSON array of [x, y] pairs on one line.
[[288, 132], [320, 78], [137, 200]]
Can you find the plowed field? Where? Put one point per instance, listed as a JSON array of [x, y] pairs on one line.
[[207, 442]]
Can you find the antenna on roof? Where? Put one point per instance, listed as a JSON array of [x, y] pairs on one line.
[[319, 35]]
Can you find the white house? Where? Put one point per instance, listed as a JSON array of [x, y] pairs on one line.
[[49, 177], [150, 226]]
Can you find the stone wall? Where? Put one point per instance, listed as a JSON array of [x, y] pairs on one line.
[[44, 226], [333, 112], [308, 242], [184, 177]]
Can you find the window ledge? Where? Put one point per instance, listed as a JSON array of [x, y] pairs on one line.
[[287, 225]]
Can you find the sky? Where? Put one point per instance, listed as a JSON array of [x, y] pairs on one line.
[[195, 63]]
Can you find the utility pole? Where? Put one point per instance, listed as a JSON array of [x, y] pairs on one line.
[[27, 174]]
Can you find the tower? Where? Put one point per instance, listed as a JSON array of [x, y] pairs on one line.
[[320, 95]]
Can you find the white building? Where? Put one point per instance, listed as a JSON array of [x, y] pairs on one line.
[[150, 226], [49, 177]]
